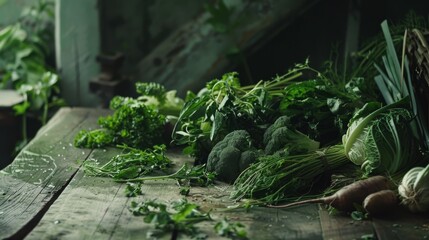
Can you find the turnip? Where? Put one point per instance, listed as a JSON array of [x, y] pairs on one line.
[[346, 198]]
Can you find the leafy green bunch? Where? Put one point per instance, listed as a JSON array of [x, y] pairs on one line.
[[223, 106], [131, 163], [275, 178], [133, 123], [320, 108]]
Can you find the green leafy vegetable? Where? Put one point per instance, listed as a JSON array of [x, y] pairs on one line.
[[93, 139], [131, 164], [133, 124], [318, 108], [233, 230], [224, 106], [180, 219], [133, 190], [382, 141], [395, 84]]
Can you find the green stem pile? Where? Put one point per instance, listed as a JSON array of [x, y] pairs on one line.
[[278, 178], [131, 164]]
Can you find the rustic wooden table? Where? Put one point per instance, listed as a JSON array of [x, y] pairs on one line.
[[44, 194]]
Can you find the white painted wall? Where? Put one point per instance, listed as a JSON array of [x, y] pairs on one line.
[[77, 45]]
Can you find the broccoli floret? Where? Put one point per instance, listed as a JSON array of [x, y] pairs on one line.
[[248, 157], [231, 155], [282, 121], [281, 137]]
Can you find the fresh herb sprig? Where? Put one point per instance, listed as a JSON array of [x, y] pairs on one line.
[[180, 219], [131, 164], [195, 175], [133, 189], [232, 230]]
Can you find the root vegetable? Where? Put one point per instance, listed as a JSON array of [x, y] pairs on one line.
[[381, 202], [345, 198]]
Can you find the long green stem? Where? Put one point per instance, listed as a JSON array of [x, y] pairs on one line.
[[24, 127], [45, 110], [147, 178], [274, 179]]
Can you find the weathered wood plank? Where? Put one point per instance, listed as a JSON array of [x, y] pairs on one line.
[[261, 222], [39, 173], [97, 208], [401, 224], [338, 226]]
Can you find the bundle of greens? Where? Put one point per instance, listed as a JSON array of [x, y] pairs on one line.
[[395, 84], [276, 178], [362, 62], [136, 122], [223, 106], [131, 163], [132, 123], [318, 108], [378, 139]]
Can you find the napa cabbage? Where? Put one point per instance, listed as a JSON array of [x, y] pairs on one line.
[[381, 141]]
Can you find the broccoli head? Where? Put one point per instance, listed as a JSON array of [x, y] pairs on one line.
[[281, 137], [231, 155], [282, 121]]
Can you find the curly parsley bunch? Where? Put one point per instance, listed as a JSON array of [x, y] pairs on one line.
[[133, 124]]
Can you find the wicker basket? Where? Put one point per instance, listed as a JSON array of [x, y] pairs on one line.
[[417, 49]]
